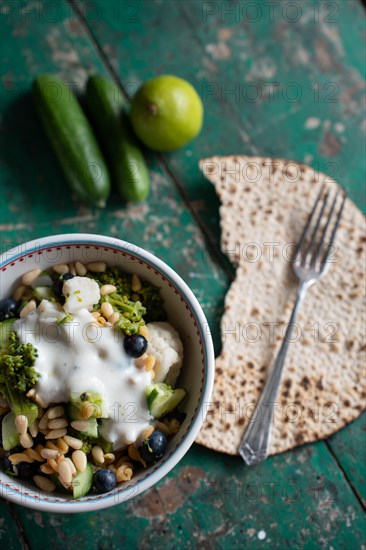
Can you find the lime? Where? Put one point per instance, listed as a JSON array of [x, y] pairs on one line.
[[166, 113]]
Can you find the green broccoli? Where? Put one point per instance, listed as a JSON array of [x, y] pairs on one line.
[[133, 314], [153, 302], [17, 365]]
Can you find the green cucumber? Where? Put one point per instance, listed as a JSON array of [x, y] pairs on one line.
[[5, 330], [162, 399], [42, 292], [96, 399], [20, 404], [73, 139], [129, 172], [10, 434], [82, 482]]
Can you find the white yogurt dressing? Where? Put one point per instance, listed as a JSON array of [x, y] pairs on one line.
[[78, 356]]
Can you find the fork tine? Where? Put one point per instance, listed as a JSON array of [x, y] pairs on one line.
[[339, 215], [321, 242], [308, 222]]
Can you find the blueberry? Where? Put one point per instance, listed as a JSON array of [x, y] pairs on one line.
[[8, 308], [135, 345], [154, 447], [59, 283], [25, 469], [6, 465], [104, 480]]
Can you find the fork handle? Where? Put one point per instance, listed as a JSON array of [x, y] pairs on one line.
[[254, 445]]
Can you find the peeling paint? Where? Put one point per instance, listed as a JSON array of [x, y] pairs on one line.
[[219, 51]]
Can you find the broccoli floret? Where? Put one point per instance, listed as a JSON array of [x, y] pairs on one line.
[[133, 314], [153, 303], [17, 365]]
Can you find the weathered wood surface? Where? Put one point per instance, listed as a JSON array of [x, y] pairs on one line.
[[298, 500]]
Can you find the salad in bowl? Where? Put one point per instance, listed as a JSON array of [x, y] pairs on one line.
[[93, 389]]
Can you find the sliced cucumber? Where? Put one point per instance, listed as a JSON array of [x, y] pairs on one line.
[[162, 399], [78, 401], [19, 404], [82, 482], [6, 328], [42, 292], [107, 446], [10, 433]]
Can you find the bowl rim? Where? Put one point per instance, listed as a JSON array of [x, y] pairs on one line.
[[36, 501]]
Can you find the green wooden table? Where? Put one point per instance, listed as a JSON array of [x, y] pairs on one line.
[[283, 79]]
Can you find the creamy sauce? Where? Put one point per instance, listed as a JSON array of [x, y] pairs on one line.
[[79, 356]]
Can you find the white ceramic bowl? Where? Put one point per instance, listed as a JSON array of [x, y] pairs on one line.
[[184, 313]]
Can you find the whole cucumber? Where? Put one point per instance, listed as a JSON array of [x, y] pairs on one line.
[[126, 161], [73, 140]]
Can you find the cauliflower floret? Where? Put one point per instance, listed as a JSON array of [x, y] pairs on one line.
[[165, 344], [80, 293]]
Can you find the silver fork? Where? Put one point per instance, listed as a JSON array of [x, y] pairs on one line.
[[310, 263]]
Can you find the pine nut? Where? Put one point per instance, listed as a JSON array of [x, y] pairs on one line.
[[67, 486], [60, 459], [17, 458], [107, 289], [80, 460], [124, 473], [52, 462], [44, 483], [49, 453], [112, 468], [18, 293], [87, 411], [72, 269], [144, 331], [26, 441], [97, 267], [33, 429], [107, 310], [109, 458], [163, 428], [114, 318], [38, 399], [72, 465], [30, 306], [50, 445], [96, 314], [101, 321], [150, 362], [61, 269], [62, 445], [55, 434], [47, 469], [124, 460], [43, 423], [133, 453], [80, 269], [174, 425], [38, 449], [98, 454], [33, 455], [31, 276], [135, 283], [140, 361], [21, 424], [73, 442], [57, 423], [80, 425], [55, 412]]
